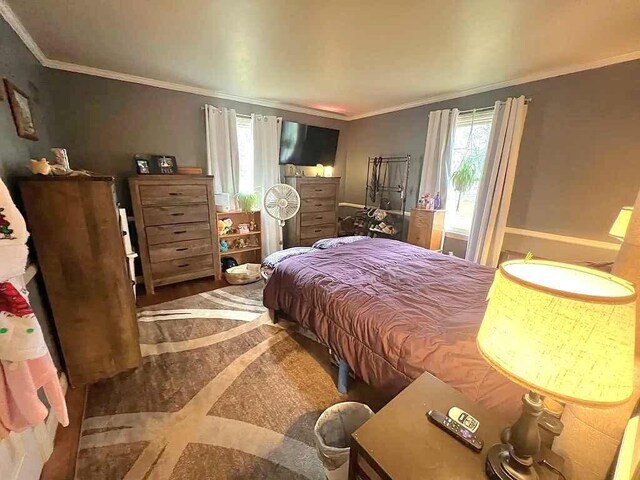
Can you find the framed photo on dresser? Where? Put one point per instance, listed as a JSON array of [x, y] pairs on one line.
[[149, 164]]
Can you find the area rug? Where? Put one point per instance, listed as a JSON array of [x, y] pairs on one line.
[[221, 394]]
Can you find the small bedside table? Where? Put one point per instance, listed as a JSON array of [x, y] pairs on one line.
[[400, 443]]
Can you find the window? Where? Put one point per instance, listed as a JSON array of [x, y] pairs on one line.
[[471, 140], [245, 154]]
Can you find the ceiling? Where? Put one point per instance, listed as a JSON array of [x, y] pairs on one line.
[[350, 57]]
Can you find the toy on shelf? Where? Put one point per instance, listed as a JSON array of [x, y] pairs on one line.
[[243, 229], [240, 243], [225, 226], [224, 246]]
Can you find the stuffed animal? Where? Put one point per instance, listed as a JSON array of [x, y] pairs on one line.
[[225, 226], [40, 167], [224, 246]]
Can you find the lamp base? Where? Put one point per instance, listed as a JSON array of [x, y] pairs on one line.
[[501, 465]]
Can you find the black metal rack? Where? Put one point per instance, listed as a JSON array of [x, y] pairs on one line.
[[387, 179]]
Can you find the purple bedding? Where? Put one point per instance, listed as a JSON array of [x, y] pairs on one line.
[[394, 310]]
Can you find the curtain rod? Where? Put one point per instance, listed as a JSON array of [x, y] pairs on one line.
[[527, 101], [237, 114]]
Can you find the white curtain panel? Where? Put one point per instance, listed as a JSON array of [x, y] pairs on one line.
[[496, 186], [436, 167], [266, 155], [222, 149]]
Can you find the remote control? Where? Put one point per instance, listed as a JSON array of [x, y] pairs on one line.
[[460, 433], [464, 419]]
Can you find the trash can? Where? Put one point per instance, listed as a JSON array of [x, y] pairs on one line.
[[333, 435]]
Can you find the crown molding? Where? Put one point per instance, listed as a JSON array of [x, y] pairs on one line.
[[9, 15], [125, 77], [558, 72], [15, 23]]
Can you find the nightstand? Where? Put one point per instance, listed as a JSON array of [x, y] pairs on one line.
[[399, 442]]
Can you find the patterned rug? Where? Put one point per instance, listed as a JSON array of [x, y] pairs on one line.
[[221, 394]]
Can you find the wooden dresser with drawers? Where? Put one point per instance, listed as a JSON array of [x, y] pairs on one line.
[[317, 217], [176, 225]]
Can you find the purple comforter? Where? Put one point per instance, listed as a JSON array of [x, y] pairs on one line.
[[394, 310]]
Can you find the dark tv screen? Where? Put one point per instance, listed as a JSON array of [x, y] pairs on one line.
[[305, 145]]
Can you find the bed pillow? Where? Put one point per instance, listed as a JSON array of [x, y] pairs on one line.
[[336, 242], [275, 258]]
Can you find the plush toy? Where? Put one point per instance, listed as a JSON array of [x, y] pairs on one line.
[[40, 167], [224, 246], [225, 226]]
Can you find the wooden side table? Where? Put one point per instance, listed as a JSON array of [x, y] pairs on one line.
[[400, 443], [426, 228]]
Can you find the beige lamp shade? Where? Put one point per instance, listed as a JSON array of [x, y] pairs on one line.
[[619, 227], [561, 330]]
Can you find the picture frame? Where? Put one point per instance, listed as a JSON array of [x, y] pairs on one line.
[[148, 164], [22, 111], [142, 166]]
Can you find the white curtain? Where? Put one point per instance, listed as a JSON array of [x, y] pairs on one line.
[[494, 192], [437, 153], [222, 149], [266, 155]]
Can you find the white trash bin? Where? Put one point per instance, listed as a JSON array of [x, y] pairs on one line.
[[333, 435]]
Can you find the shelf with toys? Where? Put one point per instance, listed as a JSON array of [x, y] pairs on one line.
[[239, 236]]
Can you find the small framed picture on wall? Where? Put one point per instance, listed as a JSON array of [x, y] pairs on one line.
[[21, 111]]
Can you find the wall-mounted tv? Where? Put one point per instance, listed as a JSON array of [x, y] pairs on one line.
[[305, 145]]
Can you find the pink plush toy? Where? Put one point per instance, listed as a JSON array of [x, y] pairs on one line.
[[25, 362]]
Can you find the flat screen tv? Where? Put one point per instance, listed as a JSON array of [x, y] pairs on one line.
[[305, 145]]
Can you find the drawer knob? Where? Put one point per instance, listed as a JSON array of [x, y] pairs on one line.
[[317, 230], [318, 189], [182, 265], [318, 204], [182, 249], [318, 218], [179, 232], [177, 214], [175, 193]]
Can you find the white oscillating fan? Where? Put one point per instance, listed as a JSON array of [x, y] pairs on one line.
[[281, 202]]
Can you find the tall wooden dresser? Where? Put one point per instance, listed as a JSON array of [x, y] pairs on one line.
[[78, 241], [317, 217], [176, 224], [426, 228]]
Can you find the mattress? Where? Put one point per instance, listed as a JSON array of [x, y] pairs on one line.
[[393, 311]]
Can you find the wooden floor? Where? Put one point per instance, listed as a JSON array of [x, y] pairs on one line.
[[179, 290], [62, 464]]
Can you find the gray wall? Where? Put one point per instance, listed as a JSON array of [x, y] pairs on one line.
[[103, 123], [579, 158], [24, 71]]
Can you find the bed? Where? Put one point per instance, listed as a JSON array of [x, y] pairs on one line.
[[392, 311]]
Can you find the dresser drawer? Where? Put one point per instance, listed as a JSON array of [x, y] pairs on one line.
[[172, 194], [181, 266], [317, 205], [178, 232], [321, 231], [175, 214], [317, 218], [172, 251], [318, 191]]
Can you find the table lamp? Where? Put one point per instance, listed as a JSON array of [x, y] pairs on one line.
[[619, 227], [559, 330]]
